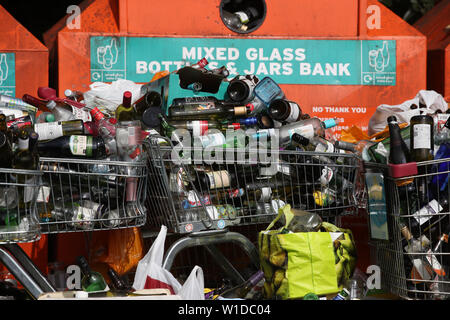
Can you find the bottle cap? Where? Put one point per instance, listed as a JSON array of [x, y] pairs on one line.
[[392, 119], [50, 117], [329, 123], [51, 104], [236, 126], [68, 93], [126, 99], [249, 121]]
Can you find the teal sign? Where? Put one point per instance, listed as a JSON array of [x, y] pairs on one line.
[[7, 74], [287, 61]]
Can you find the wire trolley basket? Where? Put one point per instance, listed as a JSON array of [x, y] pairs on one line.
[[18, 212], [192, 195], [91, 195], [415, 260]]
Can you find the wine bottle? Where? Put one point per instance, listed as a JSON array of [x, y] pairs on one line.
[[118, 285], [208, 110], [74, 146], [207, 180], [148, 100], [92, 280], [74, 95], [398, 152], [5, 151], [4, 128], [285, 111], [360, 148], [105, 128], [422, 148], [241, 290], [233, 21], [241, 88], [247, 15], [307, 128], [303, 221], [125, 111], [53, 130], [23, 157], [200, 127]]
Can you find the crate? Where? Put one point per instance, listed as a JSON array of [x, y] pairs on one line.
[[413, 271], [18, 211], [185, 206], [80, 195]]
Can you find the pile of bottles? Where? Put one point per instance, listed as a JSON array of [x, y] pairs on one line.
[[423, 201], [53, 128], [253, 115]]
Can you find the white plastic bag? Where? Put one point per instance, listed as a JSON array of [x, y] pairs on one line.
[[111, 95], [150, 274], [433, 101], [194, 286]]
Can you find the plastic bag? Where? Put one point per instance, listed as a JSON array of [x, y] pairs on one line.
[[194, 286], [150, 274], [111, 95], [431, 99], [124, 249]]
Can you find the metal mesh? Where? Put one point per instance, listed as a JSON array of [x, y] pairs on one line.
[[416, 271], [239, 188], [18, 214], [90, 195]]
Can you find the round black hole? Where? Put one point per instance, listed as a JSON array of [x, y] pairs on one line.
[[242, 16]]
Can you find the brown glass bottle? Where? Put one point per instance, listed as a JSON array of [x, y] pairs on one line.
[[421, 133]]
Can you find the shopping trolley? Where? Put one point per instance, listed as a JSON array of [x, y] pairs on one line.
[[414, 263], [205, 201], [77, 195], [19, 224]]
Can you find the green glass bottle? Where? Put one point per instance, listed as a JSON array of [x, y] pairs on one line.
[[92, 280], [125, 111]]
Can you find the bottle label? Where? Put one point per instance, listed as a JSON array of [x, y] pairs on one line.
[[307, 131], [29, 189], [294, 114], [328, 147], [266, 194], [133, 135], [81, 145], [425, 214], [433, 261], [327, 176], [199, 128], [236, 193], [81, 114], [49, 130], [422, 136], [213, 140], [242, 16], [218, 179], [195, 201], [441, 119], [43, 194]]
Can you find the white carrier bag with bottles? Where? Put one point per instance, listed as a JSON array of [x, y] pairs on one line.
[[151, 275]]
